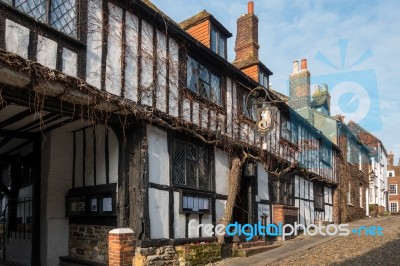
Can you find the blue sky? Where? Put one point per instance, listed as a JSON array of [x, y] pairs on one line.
[[351, 45]]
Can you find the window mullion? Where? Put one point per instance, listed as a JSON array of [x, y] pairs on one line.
[[48, 2]]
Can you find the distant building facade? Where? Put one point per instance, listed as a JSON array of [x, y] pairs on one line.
[[393, 175]]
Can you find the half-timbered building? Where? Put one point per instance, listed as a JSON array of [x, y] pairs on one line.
[[113, 115]]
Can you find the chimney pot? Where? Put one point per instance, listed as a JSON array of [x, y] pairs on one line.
[[303, 64], [295, 66], [250, 7]]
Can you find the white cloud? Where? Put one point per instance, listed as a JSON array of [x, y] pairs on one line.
[[290, 30]]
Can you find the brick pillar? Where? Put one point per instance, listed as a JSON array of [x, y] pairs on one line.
[[336, 207], [120, 247]]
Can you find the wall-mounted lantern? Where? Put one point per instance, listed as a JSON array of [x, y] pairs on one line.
[[249, 169]]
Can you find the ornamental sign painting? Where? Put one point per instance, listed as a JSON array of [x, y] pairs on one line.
[[266, 121]]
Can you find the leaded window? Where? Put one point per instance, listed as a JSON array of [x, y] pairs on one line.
[[203, 81], [218, 42], [282, 191], [59, 14], [318, 196], [249, 106], [190, 165], [289, 130], [325, 152]]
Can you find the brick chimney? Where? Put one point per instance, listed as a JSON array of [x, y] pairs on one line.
[[299, 86], [246, 46], [390, 159]]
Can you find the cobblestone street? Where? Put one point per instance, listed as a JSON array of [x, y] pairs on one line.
[[349, 250], [354, 250]]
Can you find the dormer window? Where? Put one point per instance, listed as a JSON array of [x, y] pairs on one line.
[[263, 79], [202, 81], [218, 42]]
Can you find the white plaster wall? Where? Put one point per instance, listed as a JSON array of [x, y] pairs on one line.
[[312, 212], [301, 210], [296, 186], [221, 172], [186, 110], [307, 212], [204, 117], [264, 209], [17, 38], [326, 194], [306, 191], [89, 160], [99, 147], [263, 190], [234, 109], [213, 120], [79, 159], [69, 62], [302, 185], [196, 113], [179, 219], [114, 50], [158, 156], [56, 181], [100, 132], [113, 148], [131, 60], [229, 106], [219, 209], [146, 63], [46, 52], [194, 221], [173, 77], [206, 219], [161, 89], [94, 43], [158, 208]]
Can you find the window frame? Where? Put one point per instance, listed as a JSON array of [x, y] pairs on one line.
[[197, 195], [288, 183], [47, 15], [397, 206], [217, 41], [194, 71], [319, 194], [208, 151], [325, 153], [395, 189], [292, 129]]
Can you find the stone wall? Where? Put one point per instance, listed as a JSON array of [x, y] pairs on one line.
[[89, 242], [190, 254]]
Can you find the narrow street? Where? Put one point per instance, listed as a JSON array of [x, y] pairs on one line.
[[354, 249], [348, 250]]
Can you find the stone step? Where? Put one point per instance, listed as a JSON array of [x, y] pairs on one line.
[[247, 252], [251, 244]]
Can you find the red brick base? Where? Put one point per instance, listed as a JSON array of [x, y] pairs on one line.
[[120, 247]]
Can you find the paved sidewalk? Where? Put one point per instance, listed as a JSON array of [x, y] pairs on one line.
[[292, 248]]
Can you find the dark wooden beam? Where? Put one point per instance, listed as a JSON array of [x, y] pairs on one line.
[[18, 147], [138, 185], [50, 117], [36, 199], [6, 133]]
